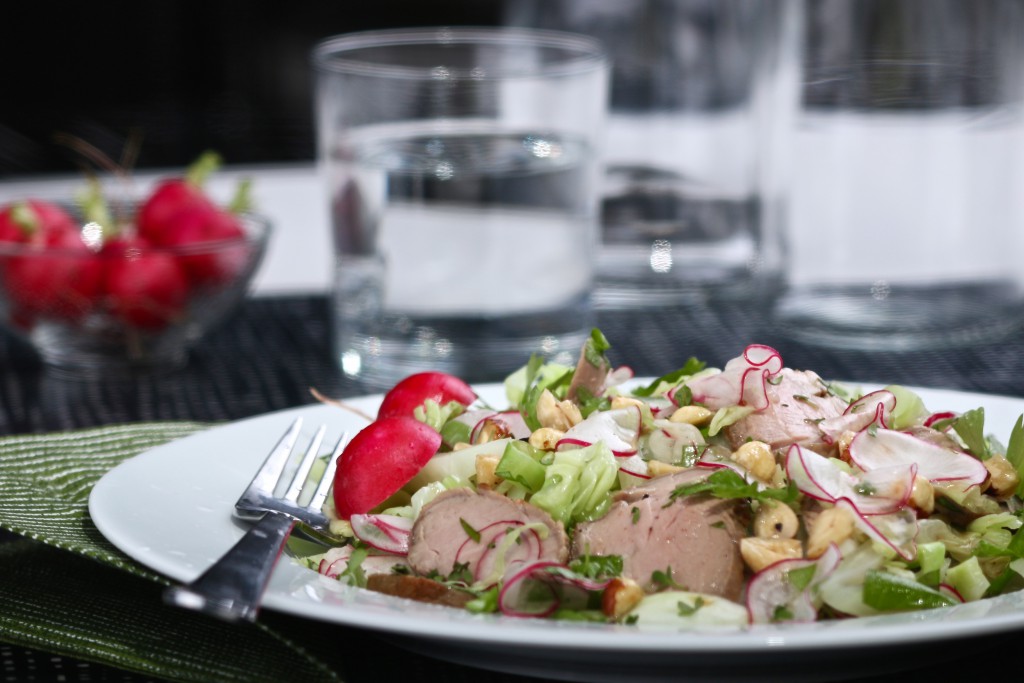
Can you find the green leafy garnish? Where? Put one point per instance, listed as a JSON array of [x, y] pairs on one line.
[[691, 367], [353, 573], [889, 592], [473, 534], [595, 347], [521, 463], [663, 579], [485, 603], [597, 566], [728, 484], [1015, 452], [801, 577], [971, 428], [687, 610]]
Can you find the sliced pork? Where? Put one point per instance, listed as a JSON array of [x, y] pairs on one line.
[[694, 540], [797, 402], [477, 535]]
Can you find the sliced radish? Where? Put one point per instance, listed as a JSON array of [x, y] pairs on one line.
[[951, 592], [621, 374], [714, 460], [774, 596], [634, 465], [896, 530], [539, 588], [619, 429], [742, 382], [335, 562], [884, 447], [874, 408], [389, 533], [935, 418], [522, 595], [502, 545], [379, 460], [410, 393], [506, 423], [878, 492], [669, 441]]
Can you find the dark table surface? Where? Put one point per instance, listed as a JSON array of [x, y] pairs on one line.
[[267, 355]]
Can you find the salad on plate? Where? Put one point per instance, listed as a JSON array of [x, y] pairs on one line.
[[750, 494]]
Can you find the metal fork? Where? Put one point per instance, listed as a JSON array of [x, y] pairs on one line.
[[233, 586]]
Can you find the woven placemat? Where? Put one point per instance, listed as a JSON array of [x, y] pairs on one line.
[[67, 590]]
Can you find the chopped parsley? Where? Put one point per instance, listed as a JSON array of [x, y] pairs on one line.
[[663, 579], [727, 483], [597, 566], [687, 610], [470, 531]]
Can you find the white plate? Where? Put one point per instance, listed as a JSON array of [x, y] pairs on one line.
[[170, 509]]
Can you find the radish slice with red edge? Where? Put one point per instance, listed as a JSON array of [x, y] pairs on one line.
[[540, 588], [389, 533], [871, 409], [942, 419], [884, 447], [619, 429], [742, 382], [621, 374], [951, 592], [379, 460], [896, 530], [522, 595], [506, 423], [335, 562], [878, 492], [714, 461], [777, 594], [484, 553], [411, 392], [634, 465]]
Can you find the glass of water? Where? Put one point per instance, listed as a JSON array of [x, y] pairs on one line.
[[462, 169], [907, 217]]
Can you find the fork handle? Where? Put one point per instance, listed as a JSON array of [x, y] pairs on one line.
[[233, 586]]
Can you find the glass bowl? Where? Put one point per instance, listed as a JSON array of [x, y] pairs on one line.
[[124, 307]]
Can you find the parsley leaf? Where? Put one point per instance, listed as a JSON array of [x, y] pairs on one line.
[[470, 531], [686, 610], [727, 483], [692, 367]]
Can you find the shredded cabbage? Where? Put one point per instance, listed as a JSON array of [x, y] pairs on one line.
[[577, 483]]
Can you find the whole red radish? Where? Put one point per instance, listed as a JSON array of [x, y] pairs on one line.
[[32, 219], [224, 252], [58, 278], [380, 460], [155, 220], [411, 392], [144, 287]]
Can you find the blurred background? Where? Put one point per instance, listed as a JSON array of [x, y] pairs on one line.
[[183, 76]]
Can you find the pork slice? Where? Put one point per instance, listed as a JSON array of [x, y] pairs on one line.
[[693, 539], [797, 402], [588, 379], [478, 533]]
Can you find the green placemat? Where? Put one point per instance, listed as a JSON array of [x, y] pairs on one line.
[[75, 594]]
